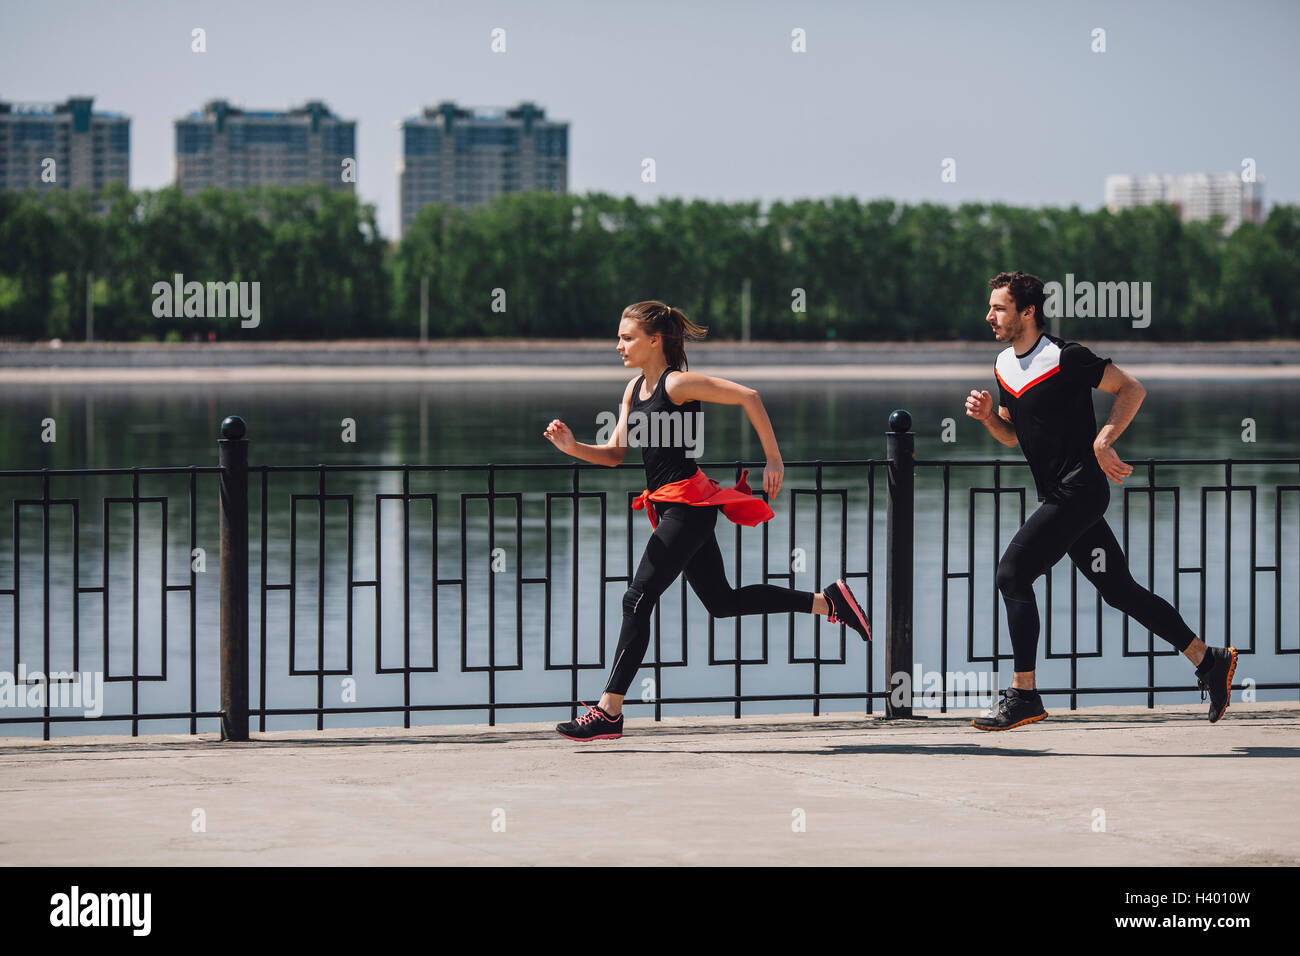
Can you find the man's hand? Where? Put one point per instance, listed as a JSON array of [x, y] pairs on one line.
[[1115, 469], [979, 405]]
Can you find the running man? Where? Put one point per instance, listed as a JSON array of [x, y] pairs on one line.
[[682, 502], [1045, 405]]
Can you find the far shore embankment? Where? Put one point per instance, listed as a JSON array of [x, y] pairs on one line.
[[488, 360]]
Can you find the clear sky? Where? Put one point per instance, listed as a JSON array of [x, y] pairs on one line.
[[1012, 91]]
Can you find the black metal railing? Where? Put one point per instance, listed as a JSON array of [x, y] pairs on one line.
[[244, 658], [79, 587], [987, 551], [658, 660]]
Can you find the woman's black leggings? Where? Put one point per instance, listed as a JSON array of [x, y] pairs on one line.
[[684, 541], [1073, 523]]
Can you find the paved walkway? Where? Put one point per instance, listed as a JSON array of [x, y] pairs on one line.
[[1103, 786]]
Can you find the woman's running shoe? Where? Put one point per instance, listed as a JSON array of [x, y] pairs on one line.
[[845, 608], [595, 724]]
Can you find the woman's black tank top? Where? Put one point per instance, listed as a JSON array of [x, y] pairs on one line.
[[668, 461]]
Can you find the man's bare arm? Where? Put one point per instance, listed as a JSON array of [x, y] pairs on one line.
[[979, 406], [1129, 393]]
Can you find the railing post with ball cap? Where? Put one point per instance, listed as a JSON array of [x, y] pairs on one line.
[[901, 455], [232, 450]]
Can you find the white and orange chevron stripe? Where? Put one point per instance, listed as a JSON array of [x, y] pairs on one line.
[[1019, 375]]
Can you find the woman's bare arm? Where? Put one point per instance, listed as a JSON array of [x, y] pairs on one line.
[[692, 386], [610, 454]]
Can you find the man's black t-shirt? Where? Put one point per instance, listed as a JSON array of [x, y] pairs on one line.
[[1048, 393]]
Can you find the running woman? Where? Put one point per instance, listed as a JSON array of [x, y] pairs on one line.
[[682, 502], [1045, 405]]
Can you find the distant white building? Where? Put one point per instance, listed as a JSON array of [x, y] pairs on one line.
[[1198, 196]]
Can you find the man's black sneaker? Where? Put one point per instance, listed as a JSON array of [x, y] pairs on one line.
[[845, 608], [595, 724], [1215, 676], [1016, 708]]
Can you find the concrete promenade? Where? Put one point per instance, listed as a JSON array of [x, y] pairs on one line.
[[1101, 786]]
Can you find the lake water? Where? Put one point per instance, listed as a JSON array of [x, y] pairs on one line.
[[117, 426]]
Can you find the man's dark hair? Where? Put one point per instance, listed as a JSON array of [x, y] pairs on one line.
[[1025, 290]]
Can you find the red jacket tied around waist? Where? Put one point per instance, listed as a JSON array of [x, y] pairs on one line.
[[738, 502]]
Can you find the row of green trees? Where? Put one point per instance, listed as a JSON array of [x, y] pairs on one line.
[[316, 253], [542, 265]]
